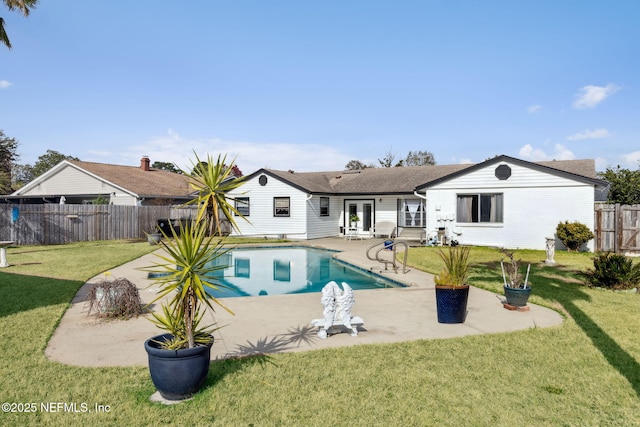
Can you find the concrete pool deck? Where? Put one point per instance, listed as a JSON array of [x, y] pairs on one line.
[[280, 323]]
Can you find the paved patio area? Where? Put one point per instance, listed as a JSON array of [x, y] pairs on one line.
[[280, 323]]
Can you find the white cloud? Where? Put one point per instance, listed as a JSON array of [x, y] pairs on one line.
[[529, 153], [4, 84], [601, 163], [534, 109], [589, 96], [560, 152], [589, 134], [250, 156], [465, 161], [631, 160]]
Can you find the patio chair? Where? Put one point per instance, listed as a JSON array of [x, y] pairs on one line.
[[385, 229]]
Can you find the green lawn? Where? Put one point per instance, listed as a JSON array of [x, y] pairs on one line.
[[585, 372]]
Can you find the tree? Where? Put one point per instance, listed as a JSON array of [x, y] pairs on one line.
[[356, 165], [419, 158], [387, 160], [212, 180], [24, 7], [49, 160], [166, 166], [624, 185], [414, 158], [8, 156], [21, 175]]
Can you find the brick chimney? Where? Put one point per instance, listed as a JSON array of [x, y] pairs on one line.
[[144, 163]]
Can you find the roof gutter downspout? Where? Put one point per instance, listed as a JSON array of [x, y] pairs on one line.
[[306, 228]]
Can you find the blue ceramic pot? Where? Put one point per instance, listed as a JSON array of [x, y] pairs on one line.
[[517, 297], [177, 374], [451, 303]]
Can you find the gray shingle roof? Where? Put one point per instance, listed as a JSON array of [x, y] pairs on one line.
[[586, 167], [404, 180]]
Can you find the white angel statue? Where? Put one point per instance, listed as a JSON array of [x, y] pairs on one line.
[[337, 307]]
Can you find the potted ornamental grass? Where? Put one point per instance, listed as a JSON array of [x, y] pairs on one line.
[[452, 289], [516, 286]]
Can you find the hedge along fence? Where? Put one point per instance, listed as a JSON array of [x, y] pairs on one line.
[[51, 224]]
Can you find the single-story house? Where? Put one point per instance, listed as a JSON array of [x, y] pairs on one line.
[[77, 182], [503, 201]]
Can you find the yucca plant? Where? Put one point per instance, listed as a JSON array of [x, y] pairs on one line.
[[456, 268], [212, 180], [186, 272], [175, 325]]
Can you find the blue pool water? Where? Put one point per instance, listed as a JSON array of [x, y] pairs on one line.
[[288, 270]]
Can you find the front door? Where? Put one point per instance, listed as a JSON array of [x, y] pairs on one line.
[[358, 216]]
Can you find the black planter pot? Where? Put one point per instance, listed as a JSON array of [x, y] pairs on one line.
[[451, 303], [177, 374], [516, 296]]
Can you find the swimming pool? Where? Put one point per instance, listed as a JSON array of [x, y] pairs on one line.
[[288, 270]]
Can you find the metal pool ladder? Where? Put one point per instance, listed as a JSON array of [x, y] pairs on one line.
[[386, 245]]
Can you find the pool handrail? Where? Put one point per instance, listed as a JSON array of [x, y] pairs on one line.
[[385, 245]]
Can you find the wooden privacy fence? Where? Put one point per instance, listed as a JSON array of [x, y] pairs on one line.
[[51, 224], [617, 228]]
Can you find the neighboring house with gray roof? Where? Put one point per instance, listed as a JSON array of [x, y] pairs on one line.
[[503, 201], [76, 182]]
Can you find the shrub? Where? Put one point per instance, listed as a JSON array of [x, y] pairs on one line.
[[613, 271], [117, 298], [573, 234]]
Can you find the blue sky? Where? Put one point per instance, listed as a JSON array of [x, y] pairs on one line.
[[310, 85]]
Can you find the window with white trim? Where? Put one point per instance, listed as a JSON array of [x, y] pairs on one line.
[[480, 207], [281, 206], [324, 206], [242, 206]]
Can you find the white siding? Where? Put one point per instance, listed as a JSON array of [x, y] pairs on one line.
[[123, 199], [70, 181], [263, 223], [534, 203], [323, 226], [305, 221], [387, 209]]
